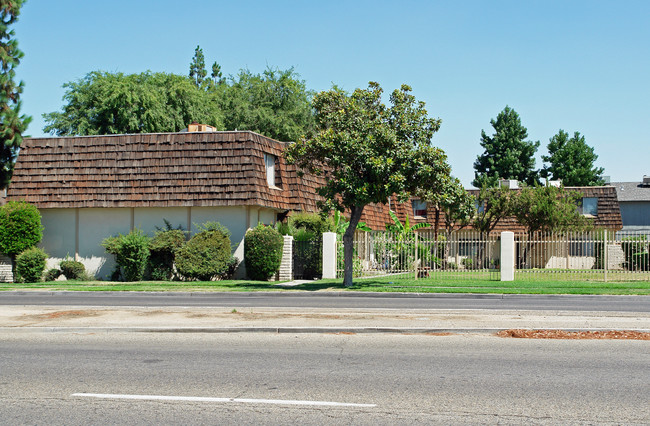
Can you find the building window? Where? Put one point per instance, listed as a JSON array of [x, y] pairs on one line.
[[269, 163], [589, 206], [419, 208]]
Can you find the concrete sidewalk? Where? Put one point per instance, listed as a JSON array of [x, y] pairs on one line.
[[300, 320]]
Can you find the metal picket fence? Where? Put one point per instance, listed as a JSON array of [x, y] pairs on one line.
[[467, 255], [599, 255], [420, 255]]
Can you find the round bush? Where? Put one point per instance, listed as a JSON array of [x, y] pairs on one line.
[[52, 274], [205, 256], [72, 269], [30, 264], [20, 227], [131, 253], [262, 252]]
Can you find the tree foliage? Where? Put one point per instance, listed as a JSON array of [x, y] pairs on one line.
[[507, 154], [114, 103], [12, 124], [493, 205], [368, 151], [275, 103], [198, 72], [571, 160], [548, 209]]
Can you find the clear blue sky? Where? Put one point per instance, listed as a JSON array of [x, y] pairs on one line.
[[573, 65]]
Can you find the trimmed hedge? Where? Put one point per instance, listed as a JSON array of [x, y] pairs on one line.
[[163, 248], [72, 269], [20, 227], [262, 252], [30, 264]]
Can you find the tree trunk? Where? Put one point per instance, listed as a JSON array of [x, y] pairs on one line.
[[348, 249]]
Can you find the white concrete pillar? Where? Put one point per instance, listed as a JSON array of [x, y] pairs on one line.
[[507, 256], [286, 265], [329, 255]]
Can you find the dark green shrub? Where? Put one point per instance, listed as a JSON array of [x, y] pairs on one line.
[[72, 269], [312, 222], [131, 253], [163, 248], [636, 251], [30, 264], [262, 252], [20, 227], [52, 274], [206, 256], [308, 250]]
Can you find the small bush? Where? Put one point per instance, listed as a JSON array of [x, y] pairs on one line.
[[131, 253], [72, 269], [52, 274], [262, 252], [206, 256], [312, 222], [30, 264], [163, 248]]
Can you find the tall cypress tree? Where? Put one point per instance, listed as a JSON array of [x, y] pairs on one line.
[[12, 124], [197, 67], [507, 154]]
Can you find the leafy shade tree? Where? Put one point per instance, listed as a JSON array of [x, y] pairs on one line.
[[572, 161], [459, 206], [12, 124], [20, 228], [275, 103], [548, 209], [492, 205], [368, 151], [197, 68], [112, 103], [507, 154]]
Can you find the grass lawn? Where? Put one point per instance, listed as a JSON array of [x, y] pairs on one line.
[[404, 284]]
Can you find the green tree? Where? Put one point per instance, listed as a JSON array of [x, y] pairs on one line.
[[571, 160], [113, 103], [275, 103], [197, 68], [507, 154], [217, 75], [12, 124], [368, 151], [493, 204], [548, 209], [459, 206]]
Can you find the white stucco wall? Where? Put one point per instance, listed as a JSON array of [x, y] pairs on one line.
[[60, 238]]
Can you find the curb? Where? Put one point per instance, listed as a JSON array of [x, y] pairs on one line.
[[294, 330]]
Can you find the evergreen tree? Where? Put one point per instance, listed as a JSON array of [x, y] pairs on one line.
[[217, 76], [197, 67], [507, 154], [572, 161], [12, 124]]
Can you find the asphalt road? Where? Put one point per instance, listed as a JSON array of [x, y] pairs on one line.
[[333, 300], [65, 378]]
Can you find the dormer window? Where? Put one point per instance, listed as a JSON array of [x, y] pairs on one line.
[[269, 163], [419, 208], [589, 206]]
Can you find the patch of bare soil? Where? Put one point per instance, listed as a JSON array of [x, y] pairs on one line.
[[64, 314], [561, 334]]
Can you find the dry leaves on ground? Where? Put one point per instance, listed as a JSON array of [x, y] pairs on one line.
[[561, 334]]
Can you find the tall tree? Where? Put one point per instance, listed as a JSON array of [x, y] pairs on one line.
[[275, 103], [548, 208], [368, 151], [572, 161], [110, 103], [216, 74], [197, 68], [507, 154], [12, 124]]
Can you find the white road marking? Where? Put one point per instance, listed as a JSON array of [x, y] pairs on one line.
[[208, 399]]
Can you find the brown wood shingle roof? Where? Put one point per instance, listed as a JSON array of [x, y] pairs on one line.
[[158, 170]]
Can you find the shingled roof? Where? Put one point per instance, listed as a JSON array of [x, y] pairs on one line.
[[158, 170]]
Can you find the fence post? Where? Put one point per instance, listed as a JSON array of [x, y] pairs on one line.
[[507, 256], [605, 250], [286, 264], [329, 255]]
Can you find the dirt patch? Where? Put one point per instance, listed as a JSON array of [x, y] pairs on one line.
[[63, 315], [561, 334]]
